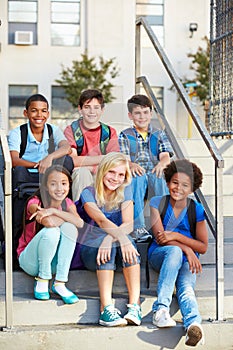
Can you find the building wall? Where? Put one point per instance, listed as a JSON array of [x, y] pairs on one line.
[[108, 29]]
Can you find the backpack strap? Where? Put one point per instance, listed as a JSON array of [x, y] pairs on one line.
[[153, 146], [192, 216], [105, 135], [24, 136], [132, 142], [51, 148]]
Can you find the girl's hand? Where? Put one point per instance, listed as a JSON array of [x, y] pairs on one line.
[[41, 213], [163, 237], [129, 252], [194, 262], [104, 252]]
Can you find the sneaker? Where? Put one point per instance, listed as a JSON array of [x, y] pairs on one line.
[[141, 235], [110, 317], [194, 335], [134, 314], [162, 319]]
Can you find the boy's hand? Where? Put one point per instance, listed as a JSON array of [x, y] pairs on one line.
[[158, 169], [136, 169], [44, 164]]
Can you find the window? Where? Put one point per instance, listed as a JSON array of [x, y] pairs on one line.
[[62, 112], [65, 22], [158, 92], [22, 16], [154, 12], [18, 94]]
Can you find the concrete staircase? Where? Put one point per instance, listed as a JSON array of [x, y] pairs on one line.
[[53, 325]]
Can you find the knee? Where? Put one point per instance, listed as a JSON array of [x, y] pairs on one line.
[[70, 231], [175, 254], [51, 235]]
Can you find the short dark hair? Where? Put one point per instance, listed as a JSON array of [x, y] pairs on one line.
[[186, 167], [138, 100], [88, 95], [36, 97]]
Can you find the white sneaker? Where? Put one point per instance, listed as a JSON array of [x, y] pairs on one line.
[[162, 319], [194, 335]]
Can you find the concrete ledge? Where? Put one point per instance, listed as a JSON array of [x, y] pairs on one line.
[[146, 337]]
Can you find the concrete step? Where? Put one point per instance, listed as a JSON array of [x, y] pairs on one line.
[[28, 311], [146, 337]]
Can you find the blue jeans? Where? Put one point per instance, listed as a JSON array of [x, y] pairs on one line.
[[156, 187], [89, 254], [50, 252], [168, 261]]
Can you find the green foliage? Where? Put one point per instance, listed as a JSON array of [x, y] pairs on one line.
[[88, 74], [200, 64]]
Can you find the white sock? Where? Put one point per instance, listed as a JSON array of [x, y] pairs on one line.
[[62, 290], [42, 285]]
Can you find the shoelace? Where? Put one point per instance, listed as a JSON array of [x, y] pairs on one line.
[[134, 309], [113, 312]]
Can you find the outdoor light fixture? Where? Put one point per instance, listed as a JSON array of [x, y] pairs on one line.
[[192, 28]]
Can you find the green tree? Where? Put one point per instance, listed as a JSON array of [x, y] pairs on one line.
[[88, 73], [200, 64]]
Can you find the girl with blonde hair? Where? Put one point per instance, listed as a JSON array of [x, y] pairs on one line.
[[109, 206]]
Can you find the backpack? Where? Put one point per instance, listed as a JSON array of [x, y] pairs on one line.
[[105, 136], [191, 211], [24, 135], [76, 263], [131, 136]]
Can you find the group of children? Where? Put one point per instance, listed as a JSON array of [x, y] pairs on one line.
[[111, 177]]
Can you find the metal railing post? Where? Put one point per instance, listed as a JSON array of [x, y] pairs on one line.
[[219, 244], [8, 231]]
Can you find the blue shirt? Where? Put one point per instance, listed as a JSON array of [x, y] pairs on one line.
[[114, 215], [35, 151], [179, 224]]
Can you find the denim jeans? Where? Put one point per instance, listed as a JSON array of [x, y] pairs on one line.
[[50, 252], [140, 184], [89, 254], [173, 271]]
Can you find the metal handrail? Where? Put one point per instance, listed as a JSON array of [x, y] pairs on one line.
[[216, 226], [8, 230]]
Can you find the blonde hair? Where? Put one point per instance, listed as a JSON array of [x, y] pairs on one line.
[[111, 160]]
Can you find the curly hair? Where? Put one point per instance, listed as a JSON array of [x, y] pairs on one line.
[[186, 167]]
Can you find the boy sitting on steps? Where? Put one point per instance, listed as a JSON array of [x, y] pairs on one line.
[[149, 152]]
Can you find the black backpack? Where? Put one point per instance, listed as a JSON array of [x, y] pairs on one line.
[[24, 135], [162, 211]]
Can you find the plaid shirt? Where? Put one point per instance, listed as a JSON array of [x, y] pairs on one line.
[[143, 155]]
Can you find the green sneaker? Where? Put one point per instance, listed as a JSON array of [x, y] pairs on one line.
[[110, 317], [134, 314]]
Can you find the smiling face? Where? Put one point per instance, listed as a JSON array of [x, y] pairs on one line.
[[91, 112], [141, 117], [180, 186], [58, 186], [37, 113], [114, 178]]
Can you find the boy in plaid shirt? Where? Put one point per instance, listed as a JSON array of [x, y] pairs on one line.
[[149, 152]]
